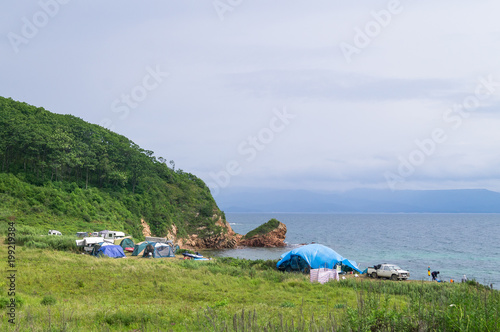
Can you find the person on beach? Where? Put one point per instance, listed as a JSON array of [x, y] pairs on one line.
[[434, 275], [464, 278]]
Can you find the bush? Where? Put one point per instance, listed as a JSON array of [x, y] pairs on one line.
[[126, 318], [36, 245], [48, 300], [4, 302]]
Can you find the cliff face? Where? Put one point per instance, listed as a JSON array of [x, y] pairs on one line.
[[225, 239], [274, 238]]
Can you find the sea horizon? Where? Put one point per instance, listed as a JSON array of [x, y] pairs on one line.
[[455, 244]]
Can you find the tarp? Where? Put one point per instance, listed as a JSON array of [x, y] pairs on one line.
[[113, 251], [92, 240], [352, 264], [313, 256]]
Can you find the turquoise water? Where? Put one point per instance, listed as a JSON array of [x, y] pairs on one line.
[[454, 244]]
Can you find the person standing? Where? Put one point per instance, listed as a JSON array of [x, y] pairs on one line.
[[429, 272]]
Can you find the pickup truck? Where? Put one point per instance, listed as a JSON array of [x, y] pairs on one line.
[[385, 270]]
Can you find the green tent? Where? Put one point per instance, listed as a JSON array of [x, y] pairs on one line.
[[139, 247], [127, 243]]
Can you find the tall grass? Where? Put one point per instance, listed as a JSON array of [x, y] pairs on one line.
[[64, 291], [29, 236]]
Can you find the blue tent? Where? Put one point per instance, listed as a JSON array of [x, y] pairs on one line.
[[313, 256], [114, 251]]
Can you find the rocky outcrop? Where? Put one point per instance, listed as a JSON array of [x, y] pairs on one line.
[[226, 239], [146, 231], [273, 238], [270, 234]]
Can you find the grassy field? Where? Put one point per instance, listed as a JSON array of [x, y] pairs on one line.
[[68, 291]]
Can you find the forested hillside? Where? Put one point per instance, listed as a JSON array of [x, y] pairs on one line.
[[58, 171]]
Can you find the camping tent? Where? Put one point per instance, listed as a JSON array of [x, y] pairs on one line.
[[119, 240], [96, 246], [313, 256], [158, 250], [125, 243], [139, 247], [113, 251]]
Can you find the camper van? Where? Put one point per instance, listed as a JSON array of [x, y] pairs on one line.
[[54, 232], [112, 235]]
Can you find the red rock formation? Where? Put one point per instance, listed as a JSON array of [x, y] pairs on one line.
[[223, 240], [274, 238], [229, 239]]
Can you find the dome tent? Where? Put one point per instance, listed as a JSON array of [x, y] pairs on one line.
[[158, 250], [97, 246], [313, 256], [127, 243], [139, 247], [113, 251]]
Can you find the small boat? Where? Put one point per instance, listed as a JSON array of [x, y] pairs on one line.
[[192, 256], [196, 256]]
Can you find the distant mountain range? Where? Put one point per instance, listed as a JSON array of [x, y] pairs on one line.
[[360, 201]]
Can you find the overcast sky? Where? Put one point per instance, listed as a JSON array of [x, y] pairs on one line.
[[323, 95]]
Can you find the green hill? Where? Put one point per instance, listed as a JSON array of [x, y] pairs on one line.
[[60, 172]]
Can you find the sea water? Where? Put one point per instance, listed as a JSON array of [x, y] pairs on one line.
[[454, 244]]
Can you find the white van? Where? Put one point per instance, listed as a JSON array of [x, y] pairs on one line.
[[54, 232], [112, 235]]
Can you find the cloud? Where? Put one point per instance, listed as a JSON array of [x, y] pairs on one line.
[[332, 85], [353, 120]]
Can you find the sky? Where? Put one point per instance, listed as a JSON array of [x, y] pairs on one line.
[[319, 96]]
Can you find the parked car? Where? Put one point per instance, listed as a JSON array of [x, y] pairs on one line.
[[390, 271], [54, 232]]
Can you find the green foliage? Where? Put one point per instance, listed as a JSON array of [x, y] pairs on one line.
[[59, 172], [264, 228], [4, 302], [221, 303], [287, 304], [48, 300], [121, 318]]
